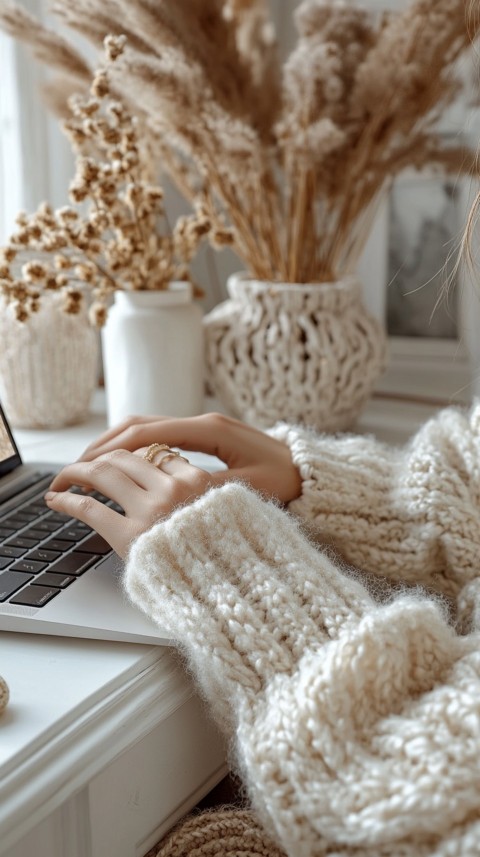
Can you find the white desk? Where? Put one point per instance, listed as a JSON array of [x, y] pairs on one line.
[[104, 745]]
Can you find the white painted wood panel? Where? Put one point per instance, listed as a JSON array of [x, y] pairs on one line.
[[141, 795]]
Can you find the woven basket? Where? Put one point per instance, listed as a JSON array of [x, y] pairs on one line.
[[48, 366], [223, 832], [306, 354]]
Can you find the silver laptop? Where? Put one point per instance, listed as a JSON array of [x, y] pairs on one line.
[[57, 576]]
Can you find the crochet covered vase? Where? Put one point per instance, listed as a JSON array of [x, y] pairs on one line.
[[304, 353], [48, 365]]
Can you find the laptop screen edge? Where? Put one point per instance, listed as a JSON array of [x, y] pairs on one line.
[[15, 460]]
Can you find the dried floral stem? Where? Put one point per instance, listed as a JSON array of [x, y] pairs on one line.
[[117, 240]]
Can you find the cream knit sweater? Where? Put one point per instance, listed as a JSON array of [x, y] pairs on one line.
[[353, 710]]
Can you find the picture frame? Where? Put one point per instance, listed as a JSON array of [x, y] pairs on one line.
[[427, 368], [413, 284]]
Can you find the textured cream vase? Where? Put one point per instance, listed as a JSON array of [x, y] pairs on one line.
[[48, 366], [306, 354]]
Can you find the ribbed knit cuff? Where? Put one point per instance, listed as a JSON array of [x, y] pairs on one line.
[[364, 498], [408, 515], [344, 475], [232, 578]]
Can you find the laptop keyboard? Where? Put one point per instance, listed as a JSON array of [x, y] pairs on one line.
[[43, 552]]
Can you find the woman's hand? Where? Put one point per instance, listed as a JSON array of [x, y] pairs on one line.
[[146, 490], [250, 455]]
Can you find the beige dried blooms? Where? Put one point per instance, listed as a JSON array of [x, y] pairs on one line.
[[291, 158], [115, 234]]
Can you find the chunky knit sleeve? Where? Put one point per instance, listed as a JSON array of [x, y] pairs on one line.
[[355, 725], [410, 515]]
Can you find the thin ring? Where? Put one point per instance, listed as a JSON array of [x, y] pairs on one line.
[[152, 450], [168, 456]]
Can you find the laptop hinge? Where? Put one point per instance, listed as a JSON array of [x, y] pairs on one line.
[[19, 485]]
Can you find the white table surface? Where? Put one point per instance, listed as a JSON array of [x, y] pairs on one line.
[[65, 444], [77, 706], [391, 420], [61, 446]]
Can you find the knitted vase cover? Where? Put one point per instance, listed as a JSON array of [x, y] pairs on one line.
[[307, 354], [4, 694], [228, 832], [48, 365]]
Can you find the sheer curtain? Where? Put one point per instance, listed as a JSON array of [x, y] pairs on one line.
[[10, 140], [35, 159]]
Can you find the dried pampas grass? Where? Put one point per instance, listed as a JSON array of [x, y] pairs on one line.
[[291, 160]]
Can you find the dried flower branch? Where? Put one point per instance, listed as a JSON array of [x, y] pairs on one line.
[[291, 161], [114, 235]]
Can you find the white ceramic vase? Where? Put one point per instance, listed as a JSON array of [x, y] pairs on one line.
[[48, 365], [152, 348], [302, 353]]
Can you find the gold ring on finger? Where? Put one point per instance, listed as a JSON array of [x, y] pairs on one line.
[[152, 450], [168, 456]]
